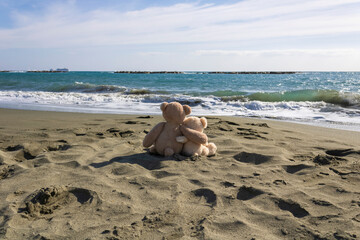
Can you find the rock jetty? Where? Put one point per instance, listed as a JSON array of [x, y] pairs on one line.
[[272, 72], [216, 72], [150, 72]]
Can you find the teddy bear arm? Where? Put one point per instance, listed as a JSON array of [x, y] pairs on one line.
[[193, 135], [151, 137]]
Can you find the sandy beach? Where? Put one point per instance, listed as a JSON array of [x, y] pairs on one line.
[[87, 176]]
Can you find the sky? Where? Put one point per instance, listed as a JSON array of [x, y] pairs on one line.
[[228, 35]]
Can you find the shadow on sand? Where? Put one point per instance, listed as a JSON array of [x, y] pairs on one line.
[[146, 160]]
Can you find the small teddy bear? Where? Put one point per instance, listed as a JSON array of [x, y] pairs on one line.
[[162, 138], [195, 141]]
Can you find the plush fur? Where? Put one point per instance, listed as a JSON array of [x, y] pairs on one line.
[[162, 138], [195, 141]]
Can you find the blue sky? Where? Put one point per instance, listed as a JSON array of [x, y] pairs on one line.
[[248, 35]]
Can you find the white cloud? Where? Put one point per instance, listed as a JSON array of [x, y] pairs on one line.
[[65, 26], [342, 59], [282, 52], [152, 53]]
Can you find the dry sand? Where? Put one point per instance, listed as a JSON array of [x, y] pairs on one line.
[[87, 176]]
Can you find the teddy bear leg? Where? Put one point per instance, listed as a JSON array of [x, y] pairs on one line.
[[153, 150], [168, 152], [212, 149], [204, 151]]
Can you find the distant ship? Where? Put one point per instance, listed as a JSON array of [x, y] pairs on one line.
[[50, 71], [59, 70]]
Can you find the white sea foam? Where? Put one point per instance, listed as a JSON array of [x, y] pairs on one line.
[[315, 113]]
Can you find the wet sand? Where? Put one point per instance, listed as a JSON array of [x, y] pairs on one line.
[[87, 176]]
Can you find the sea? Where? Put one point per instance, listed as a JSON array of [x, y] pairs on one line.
[[328, 99]]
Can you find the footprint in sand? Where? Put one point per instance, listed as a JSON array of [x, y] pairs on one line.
[[120, 133], [58, 147], [230, 123], [227, 184], [25, 154], [70, 164], [80, 132], [47, 201], [293, 207], [123, 170], [321, 202], [197, 182], [14, 148], [225, 126], [258, 125], [279, 182], [206, 193], [296, 168], [342, 152], [343, 172], [6, 171], [162, 174], [249, 133], [253, 158], [131, 122], [327, 160], [246, 193], [91, 124]]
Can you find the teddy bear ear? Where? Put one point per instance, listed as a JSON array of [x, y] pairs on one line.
[[203, 122], [163, 106], [187, 109]]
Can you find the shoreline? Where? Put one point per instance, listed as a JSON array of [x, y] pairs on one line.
[[66, 115], [165, 72], [337, 126], [88, 176]]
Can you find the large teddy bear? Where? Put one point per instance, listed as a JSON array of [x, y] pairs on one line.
[[195, 141], [162, 138]]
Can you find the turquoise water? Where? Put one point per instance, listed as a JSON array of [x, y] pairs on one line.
[[331, 98], [220, 85]]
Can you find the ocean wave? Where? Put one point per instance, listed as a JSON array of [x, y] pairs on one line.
[[296, 98], [344, 99], [183, 99], [138, 91], [80, 87], [241, 98], [87, 88], [120, 102], [220, 93]]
